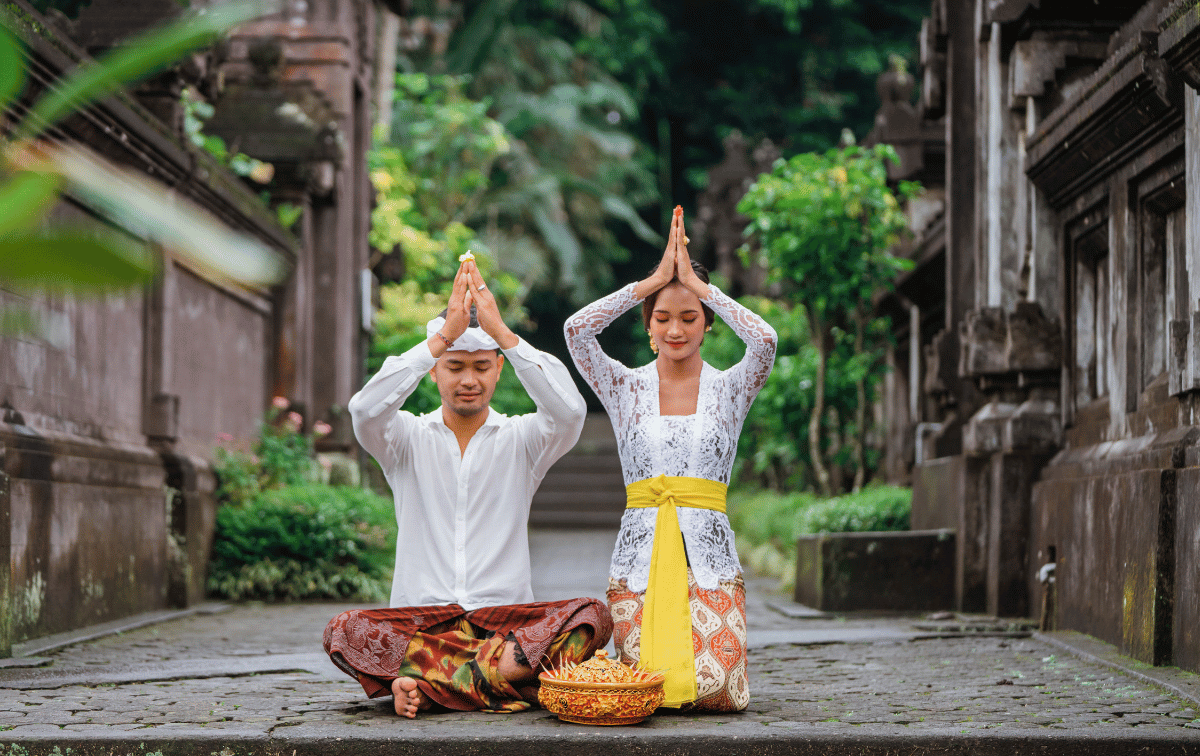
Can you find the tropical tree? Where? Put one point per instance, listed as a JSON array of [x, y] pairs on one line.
[[825, 225], [573, 177]]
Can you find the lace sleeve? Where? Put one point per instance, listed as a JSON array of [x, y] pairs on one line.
[[604, 374], [761, 340]]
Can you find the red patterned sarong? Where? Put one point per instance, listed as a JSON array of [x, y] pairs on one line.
[[454, 654]]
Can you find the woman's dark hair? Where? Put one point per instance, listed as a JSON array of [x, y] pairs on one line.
[[474, 322], [648, 302]]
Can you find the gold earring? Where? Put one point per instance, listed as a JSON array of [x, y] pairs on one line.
[[653, 346], [707, 329]]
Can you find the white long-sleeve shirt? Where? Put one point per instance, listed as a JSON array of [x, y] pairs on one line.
[[463, 518]]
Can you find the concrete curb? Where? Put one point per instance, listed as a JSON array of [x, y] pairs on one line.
[[792, 741], [123, 625]]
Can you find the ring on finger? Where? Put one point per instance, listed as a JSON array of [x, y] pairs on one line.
[[481, 287]]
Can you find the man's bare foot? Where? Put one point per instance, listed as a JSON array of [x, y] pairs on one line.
[[408, 698]]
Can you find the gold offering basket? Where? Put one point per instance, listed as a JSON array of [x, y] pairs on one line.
[[601, 691]]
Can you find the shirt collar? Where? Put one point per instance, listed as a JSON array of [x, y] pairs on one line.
[[494, 419]]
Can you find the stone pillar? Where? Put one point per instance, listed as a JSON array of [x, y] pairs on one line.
[[1012, 478], [962, 238], [6, 604], [1192, 240], [970, 559]]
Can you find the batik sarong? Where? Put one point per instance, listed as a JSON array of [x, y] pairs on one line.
[[454, 654], [718, 639]]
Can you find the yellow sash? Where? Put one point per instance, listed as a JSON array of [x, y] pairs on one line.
[[666, 615]]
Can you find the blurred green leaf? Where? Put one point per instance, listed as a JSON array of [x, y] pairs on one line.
[[26, 198], [138, 58], [72, 260], [149, 211], [12, 68]]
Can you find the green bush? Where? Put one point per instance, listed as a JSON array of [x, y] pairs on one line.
[[281, 456], [767, 523], [309, 541], [871, 509]]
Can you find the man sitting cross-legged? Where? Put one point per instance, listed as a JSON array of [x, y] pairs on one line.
[[462, 632]]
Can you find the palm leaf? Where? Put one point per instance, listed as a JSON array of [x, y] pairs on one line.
[[12, 68]]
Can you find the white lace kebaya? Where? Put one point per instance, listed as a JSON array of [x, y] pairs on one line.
[[697, 446]]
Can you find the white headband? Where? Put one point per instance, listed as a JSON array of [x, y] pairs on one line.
[[472, 339]]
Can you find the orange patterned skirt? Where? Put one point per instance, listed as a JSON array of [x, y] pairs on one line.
[[718, 639]]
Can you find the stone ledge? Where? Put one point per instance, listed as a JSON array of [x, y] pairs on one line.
[[732, 738], [1131, 101], [1175, 681]]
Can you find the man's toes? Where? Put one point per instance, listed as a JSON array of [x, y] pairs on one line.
[[407, 696]]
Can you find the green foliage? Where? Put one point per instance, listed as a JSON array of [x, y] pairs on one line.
[[794, 71], [68, 258], [430, 175], [12, 69], [304, 542], [195, 112], [573, 177], [874, 508], [825, 225], [281, 456], [282, 534], [773, 450], [764, 516]]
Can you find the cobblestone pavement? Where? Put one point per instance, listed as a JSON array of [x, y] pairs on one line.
[[253, 680]]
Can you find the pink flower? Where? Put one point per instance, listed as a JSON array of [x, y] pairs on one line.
[[322, 428], [280, 403], [224, 437], [294, 421]]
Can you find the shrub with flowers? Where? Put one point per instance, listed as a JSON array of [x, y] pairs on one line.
[[284, 534], [281, 456]]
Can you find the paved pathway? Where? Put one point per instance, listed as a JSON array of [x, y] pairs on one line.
[[252, 680]]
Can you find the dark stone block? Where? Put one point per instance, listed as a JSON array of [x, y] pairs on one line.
[[984, 335], [898, 571], [1112, 535], [937, 485], [1186, 614]]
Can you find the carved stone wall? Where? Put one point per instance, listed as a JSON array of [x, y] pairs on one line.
[[1071, 286], [107, 428]]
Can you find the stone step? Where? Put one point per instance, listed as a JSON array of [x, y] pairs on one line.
[[585, 487], [583, 463], [565, 480]]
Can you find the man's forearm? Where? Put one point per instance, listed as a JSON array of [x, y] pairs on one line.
[[547, 381], [393, 384]]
